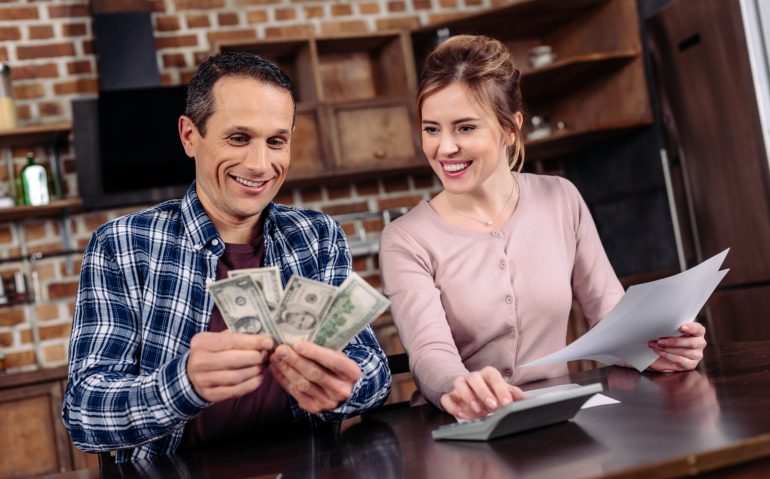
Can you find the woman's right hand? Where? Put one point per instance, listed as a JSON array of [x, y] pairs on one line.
[[479, 393]]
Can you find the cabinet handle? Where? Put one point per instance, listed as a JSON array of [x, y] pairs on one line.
[[379, 153]]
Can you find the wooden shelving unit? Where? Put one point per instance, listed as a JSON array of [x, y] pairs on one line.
[[35, 135], [54, 208]]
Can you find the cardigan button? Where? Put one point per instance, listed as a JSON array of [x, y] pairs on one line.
[[508, 372], [509, 299]]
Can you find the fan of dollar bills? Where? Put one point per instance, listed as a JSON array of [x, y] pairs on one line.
[[253, 301]]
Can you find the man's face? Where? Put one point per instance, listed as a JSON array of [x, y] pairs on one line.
[[241, 162]]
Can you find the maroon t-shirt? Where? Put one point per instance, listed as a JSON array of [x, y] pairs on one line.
[[267, 408]]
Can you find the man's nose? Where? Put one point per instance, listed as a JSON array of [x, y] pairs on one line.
[[257, 157]]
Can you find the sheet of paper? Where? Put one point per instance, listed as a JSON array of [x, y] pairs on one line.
[[595, 400], [646, 312]]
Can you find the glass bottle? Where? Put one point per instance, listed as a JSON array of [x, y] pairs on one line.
[[34, 181], [7, 108]]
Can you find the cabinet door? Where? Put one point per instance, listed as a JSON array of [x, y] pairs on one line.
[[33, 440], [739, 315], [374, 137], [306, 150]]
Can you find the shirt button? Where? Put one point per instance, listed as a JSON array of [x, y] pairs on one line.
[[215, 241], [508, 372], [197, 247], [509, 299], [502, 265], [209, 280]]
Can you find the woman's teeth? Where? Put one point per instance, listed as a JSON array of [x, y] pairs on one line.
[[452, 167]]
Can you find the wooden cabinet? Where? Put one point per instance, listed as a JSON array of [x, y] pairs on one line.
[[355, 112], [33, 439]]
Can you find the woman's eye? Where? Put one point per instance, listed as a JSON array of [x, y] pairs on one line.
[[466, 128], [430, 130]]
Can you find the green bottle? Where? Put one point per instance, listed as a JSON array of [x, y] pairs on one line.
[[34, 181]]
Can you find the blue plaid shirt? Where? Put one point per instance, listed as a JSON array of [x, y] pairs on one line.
[[142, 297]]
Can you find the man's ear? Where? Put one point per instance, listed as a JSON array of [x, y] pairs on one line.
[[188, 133]]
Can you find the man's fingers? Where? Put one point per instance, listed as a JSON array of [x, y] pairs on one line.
[[335, 388], [309, 397], [334, 361], [228, 378], [228, 341], [223, 393], [226, 360]]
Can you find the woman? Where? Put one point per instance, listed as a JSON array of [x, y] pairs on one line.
[[482, 278]]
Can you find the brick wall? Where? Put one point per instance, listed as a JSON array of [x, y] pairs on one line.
[[50, 48]]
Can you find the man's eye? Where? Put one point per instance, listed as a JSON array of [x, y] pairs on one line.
[[277, 142], [239, 139]]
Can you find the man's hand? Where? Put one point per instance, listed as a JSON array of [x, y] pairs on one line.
[[227, 365], [479, 393], [680, 353], [318, 378]]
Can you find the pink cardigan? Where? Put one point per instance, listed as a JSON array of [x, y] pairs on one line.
[[463, 300]]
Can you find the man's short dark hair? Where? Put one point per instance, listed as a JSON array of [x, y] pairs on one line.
[[200, 97]]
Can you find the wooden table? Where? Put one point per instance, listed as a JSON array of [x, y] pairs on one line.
[[666, 425]]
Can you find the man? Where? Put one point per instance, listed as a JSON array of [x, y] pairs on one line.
[[152, 368]]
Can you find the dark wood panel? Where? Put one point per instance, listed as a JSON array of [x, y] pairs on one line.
[[740, 315], [710, 113]]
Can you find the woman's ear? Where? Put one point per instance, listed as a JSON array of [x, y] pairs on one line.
[[519, 119]]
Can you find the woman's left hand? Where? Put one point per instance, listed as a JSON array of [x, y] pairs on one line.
[[680, 353]]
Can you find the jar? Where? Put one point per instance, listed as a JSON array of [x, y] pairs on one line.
[[7, 107]]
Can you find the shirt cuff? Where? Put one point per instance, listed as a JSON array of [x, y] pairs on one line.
[[177, 391]]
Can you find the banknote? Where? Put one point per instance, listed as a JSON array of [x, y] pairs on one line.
[[243, 306], [302, 309], [268, 279], [355, 306]]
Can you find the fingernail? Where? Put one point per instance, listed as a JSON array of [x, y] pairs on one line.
[[300, 347], [266, 343], [476, 406], [491, 403], [507, 400]]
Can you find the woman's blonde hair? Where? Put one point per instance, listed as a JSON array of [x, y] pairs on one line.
[[485, 67]]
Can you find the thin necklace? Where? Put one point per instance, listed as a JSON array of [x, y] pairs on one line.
[[515, 186]]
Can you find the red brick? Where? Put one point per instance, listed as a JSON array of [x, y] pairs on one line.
[[79, 66], [5, 233], [445, 17], [397, 6], [473, 3], [256, 2], [395, 184], [77, 263], [94, 220], [257, 16], [198, 4], [50, 108], [398, 202], [28, 91], [172, 60], [88, 47], [35, 231], [40, 32], [176, 41], [346, 208], [368, 187], [337, 192], [71, 309], [233, 35], [341, 10], [54, 353], [69, 11], [62, 290], [19, 359], [421, 4], [368, 8], [46, 272], [310, 194], [18, 13], [74, 29], [25, 336], [3, 54], [197, 21], [45, 51], [284, 197], [337, 28], [300, 30], [166, 79], [285, 13], [158, 6], [315, 11], [11, 316], [398, 23], [6, 339], [10, 33], [55, 331], [82, 85], [227, 19], [167, 24], [47, 312], [423, 180], [373, 225], [360, 264], [448, 3], [349, 228], [25, 72]]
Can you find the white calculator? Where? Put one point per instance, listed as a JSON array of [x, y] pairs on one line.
[[541, 410]]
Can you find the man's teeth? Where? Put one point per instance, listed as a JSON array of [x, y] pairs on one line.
[[246, 182], [456, 166]]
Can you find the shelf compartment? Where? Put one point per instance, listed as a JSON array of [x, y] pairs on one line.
[[375, 136], [561, 76], [367, 67], [67, 205], [307, 157], [565, 142], [35, 135], [294, 57]]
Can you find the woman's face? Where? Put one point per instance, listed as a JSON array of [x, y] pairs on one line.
[[465, 144]]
